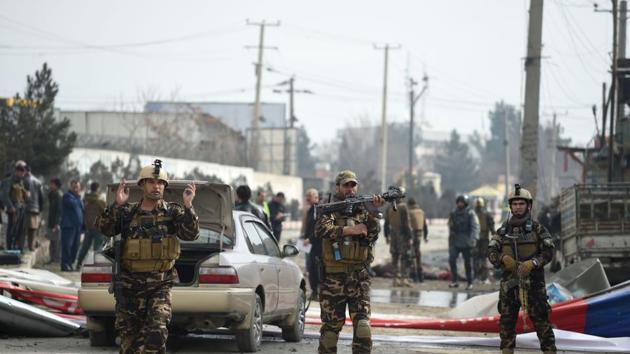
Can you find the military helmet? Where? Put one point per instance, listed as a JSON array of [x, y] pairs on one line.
[[462, 198], [346, 176], [520, 193], [154, 171], [479, 203]]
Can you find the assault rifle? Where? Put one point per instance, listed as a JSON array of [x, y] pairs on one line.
[[347, 206]]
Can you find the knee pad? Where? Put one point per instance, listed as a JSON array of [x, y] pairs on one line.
[[363, 329], [329, 339]]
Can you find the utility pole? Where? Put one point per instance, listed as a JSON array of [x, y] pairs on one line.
[[529, 142], [253, 146], [506, 144], [413, 99], [289, 123], [386, 49], [615, 89], [554, 142]]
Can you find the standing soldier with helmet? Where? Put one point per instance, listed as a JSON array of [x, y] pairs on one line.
[[15, 195], [419, 230], [149, 231], [398, 235], [486, 227], [463, 228], [347, 250], [521, 248]]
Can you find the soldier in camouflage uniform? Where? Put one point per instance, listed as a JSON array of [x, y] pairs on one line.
[[486, 228], [397, 231], [521, 248], [150, 230], [347, 249]]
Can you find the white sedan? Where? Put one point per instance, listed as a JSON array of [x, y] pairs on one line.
[[233, 276]]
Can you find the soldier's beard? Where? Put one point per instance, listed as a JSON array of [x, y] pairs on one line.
[[153, 196]]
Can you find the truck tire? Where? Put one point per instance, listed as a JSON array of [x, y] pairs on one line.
[[249, 341], [105, 338], [295, 331]]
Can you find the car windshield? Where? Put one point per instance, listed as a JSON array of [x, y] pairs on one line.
[[208, 238]]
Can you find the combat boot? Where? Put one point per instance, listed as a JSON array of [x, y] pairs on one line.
[[405, 283]]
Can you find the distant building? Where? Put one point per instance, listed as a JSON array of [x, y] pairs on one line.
[[276, 149], [195, 136]]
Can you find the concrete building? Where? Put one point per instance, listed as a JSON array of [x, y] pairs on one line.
[[276, 149], [195, 136]]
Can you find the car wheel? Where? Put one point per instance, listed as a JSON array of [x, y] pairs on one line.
[[295, 332], [249, 341], [104, 338]]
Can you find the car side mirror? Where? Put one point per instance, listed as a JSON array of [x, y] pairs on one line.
[[289, 251]]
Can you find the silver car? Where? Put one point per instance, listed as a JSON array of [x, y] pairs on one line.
[[233, 276]]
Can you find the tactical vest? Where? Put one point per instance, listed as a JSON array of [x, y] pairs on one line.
[[350, 250], [527, 243], [395, 218], [18, 193], [416, 218], [461, 221], [483, 221], [150, 244]]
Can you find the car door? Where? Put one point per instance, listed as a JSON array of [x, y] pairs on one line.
[[264, 265], [286, 279]]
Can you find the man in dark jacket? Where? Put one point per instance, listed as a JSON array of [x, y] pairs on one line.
[[463, 228], [94, 206], [34, 207], [243, 194], [55, 204], [313, 258], [277, 214], [72, 224]]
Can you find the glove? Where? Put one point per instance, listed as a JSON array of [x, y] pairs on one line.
[[525, 268], [508, 263]]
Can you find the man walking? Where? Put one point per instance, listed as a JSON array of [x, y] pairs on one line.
[[94, 206], [347, 250], [398, 235], [463, 228], [72, 225], [313, 258], [14, 197], [486, 227], [419, 230], [143, 306], [521, 248], [34, 206], [55, 205]]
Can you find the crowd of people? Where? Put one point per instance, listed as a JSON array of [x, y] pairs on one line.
[[70, 217]]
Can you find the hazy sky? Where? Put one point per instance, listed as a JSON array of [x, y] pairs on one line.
[[111, 54]]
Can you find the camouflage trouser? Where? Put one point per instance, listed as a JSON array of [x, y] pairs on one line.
[[417, 257], [400, 249], [480, 257], [538, 310], [337, 289], [141, 320]]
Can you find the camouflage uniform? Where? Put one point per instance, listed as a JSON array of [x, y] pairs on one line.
[[345, 283], [398, 233], [486, 227], [420, 230], [144, 311], [534, 243]]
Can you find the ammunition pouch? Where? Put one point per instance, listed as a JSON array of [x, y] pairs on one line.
[[527, 243], [146, 255], [351, 249], [18, 193]]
